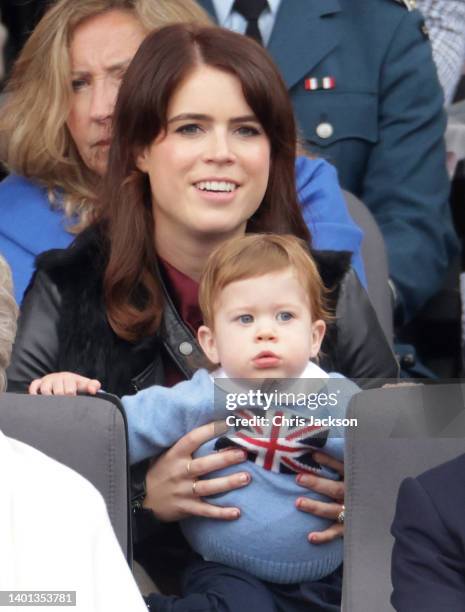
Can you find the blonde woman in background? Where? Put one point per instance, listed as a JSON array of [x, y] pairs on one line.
[[72, 549], [55, 124], [55, 130]]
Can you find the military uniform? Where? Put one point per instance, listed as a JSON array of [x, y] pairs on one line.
[[367, 98]]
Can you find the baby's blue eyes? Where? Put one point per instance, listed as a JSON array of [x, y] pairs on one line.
[[246, 318], [283, 316]]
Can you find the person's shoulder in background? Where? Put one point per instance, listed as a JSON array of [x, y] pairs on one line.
[[325, 211], [29, 225], [58, 534], [428, 560]]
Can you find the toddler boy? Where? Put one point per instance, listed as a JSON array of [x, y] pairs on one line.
[[262, 301]]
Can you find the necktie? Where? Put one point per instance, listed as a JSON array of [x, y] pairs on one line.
[[251, 11]]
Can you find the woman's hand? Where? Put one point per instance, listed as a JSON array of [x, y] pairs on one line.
[[173, 489], [63, 383], [331, 488]]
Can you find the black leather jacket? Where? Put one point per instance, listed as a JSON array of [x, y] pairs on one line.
[[63, 327]]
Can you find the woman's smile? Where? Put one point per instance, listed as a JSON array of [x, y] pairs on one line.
[[217, 189]]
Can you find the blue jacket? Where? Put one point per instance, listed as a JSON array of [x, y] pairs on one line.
[[325, 211], [428, 559], [28, 225], [269, 539], [386, 123]]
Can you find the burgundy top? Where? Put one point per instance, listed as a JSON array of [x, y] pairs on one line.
[[185, 295]]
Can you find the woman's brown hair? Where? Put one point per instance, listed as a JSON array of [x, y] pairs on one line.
[[164, 60]]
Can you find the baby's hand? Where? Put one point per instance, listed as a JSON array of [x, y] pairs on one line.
[[63, 383]]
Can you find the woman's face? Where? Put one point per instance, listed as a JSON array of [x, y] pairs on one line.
[[100, 51], [209, 171]]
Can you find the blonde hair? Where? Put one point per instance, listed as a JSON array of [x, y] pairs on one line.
[[254, 255], [34, 139], [8, 316]]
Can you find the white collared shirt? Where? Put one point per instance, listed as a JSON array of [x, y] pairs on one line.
[[311, 371], [227, 18]]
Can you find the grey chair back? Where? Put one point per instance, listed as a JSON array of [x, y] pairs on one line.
[[88, 434], [376, 264], [401, 432]]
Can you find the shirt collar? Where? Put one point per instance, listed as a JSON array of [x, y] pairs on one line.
[[311, 371], [223, 9], [274, 6]]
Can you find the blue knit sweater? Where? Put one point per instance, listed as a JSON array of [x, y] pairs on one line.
[[269, 540]]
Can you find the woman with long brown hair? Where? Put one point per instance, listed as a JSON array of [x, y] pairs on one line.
[[203, 150], [55, 130]]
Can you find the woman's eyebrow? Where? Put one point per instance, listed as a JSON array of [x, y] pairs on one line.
[[244, 119], [116, 67], [123, 65], [202, 117], [190, 117]]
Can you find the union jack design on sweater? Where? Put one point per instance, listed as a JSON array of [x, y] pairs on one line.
[[278, 445]]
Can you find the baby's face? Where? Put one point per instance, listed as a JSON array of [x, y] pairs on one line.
[[263, 328]]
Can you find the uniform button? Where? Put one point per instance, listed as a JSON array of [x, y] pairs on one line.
[[186, 348], [324, 130]]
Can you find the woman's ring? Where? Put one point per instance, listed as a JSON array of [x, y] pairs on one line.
[[341, 516], [194, 484]]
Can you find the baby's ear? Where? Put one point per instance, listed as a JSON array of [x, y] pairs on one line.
[[318, 332], [206, 339]]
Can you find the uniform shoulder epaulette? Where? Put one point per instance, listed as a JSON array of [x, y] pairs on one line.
[[409, 4]]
